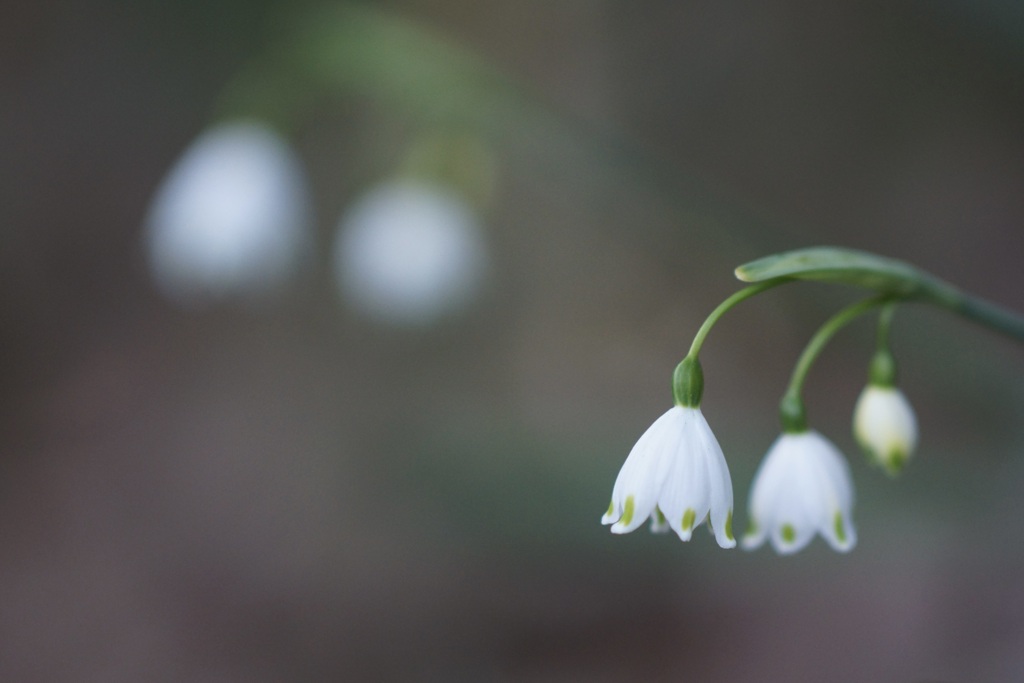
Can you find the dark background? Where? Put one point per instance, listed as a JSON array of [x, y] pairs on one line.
[[299, 493]]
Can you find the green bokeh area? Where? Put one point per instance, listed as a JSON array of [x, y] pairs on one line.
[[300, 492]]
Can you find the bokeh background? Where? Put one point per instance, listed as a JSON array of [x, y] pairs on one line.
[[300, 492]]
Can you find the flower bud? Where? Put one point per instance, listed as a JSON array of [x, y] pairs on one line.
[[410, 253], [232, 218], [885, 427]]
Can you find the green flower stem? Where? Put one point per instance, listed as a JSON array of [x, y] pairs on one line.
[[688, 378], [882, 369], [791, 409], [737, 297], [884, 323]]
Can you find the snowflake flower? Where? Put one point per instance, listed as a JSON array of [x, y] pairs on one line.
[[676, 474], [803, 486]]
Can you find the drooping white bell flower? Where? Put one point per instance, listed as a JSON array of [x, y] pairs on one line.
[[676, 474], [231, 219], [885, 427], [410, 253], [802, 487]]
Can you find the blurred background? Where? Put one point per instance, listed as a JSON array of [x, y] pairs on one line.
[[374, 469]]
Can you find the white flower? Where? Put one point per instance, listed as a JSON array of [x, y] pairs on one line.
[[231, 219], [409, 253], [885, 427], [675, 474], [803, 486]]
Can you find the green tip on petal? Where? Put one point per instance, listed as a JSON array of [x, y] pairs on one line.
[[840, 527], [611, 508], [894, 463], [689, 517], [788, 533], [627, 512], [660, 516], [728, 527]]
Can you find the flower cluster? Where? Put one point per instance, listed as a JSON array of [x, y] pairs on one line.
[[233, 221], [677, 476]]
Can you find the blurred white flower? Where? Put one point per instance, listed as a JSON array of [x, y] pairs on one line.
[[885, 427], [231, 219], [409, 253], [677, 475], [802, 486]]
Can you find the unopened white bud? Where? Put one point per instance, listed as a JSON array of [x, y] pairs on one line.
[[885, 427]]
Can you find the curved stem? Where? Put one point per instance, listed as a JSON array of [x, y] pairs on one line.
[[791, 410], [882, 370], [737, 297], [884, 323]]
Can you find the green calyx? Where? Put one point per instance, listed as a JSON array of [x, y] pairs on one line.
[[792, 414], [882, 371], [688, 383]]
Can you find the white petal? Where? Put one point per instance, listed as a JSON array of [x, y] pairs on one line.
[[719, 484], [835, 487], [767, 489], [789, 538], [685, 498], [841, 533], [837, 470], [756, 534], [799, 498], [613, 513], [635, 462], [642, 475]]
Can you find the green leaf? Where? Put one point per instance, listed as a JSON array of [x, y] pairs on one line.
[[852, 267]]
